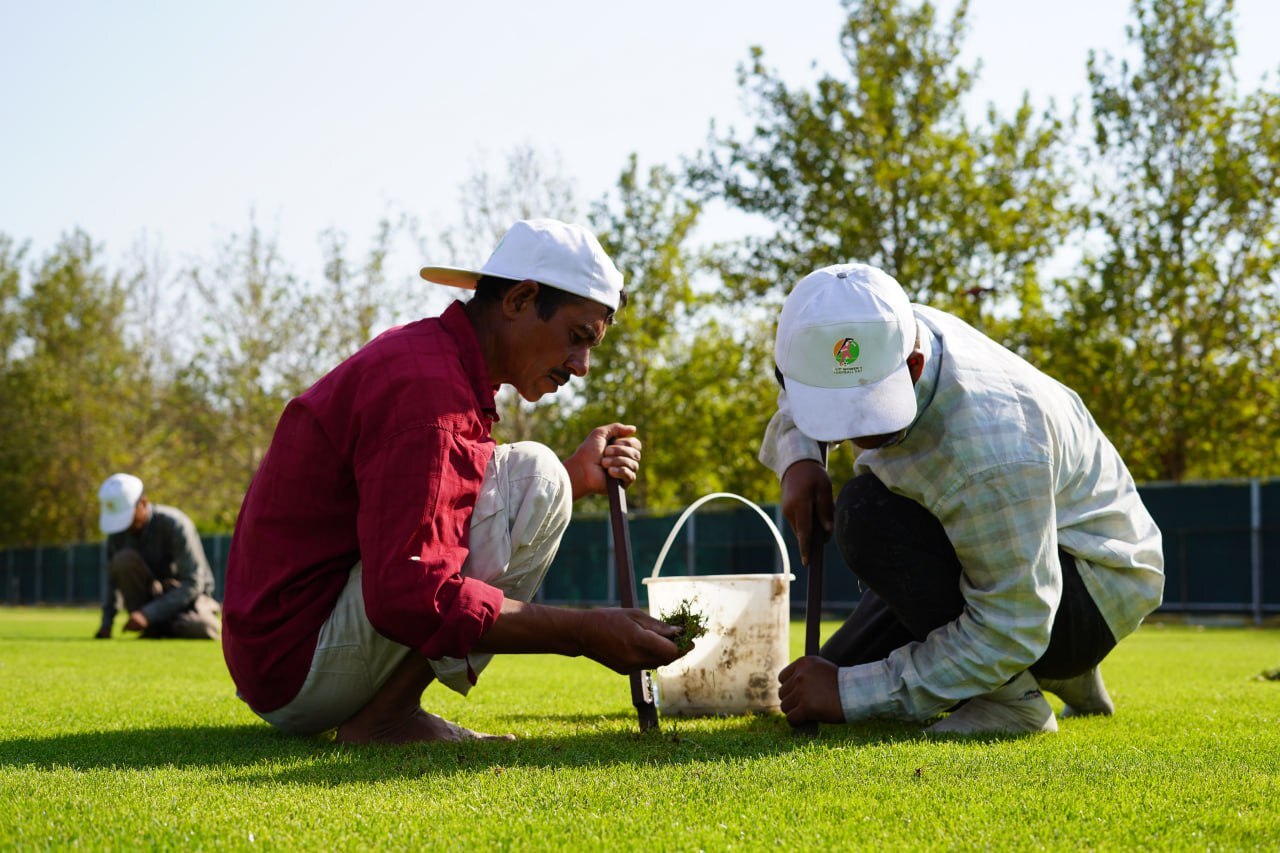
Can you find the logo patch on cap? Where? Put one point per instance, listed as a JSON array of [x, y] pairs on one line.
[[846, 353]]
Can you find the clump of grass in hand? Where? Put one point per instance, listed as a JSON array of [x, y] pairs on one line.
[[692, 624]]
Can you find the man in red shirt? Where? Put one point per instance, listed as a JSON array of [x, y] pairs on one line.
[[386, 542]]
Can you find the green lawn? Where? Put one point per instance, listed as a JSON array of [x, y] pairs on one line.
[[132, 743]]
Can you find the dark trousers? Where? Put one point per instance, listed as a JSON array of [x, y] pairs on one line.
[[137, 587], [910, 577]]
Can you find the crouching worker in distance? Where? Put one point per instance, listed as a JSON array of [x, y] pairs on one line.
[[998, 538], [386, 542], [156, 567]]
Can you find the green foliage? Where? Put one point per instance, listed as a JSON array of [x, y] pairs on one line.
[[110, 370], [11, 261], [531, 185], [257, 351], [682, 365], [130, 743], [1170, 332], [882, 167], [69, 380], [357, 299], [266, 337]]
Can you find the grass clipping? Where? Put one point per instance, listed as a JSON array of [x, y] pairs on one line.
[[691, 623]]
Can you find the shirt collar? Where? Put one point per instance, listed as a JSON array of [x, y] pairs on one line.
[[931, 349], [927, 385], [458, 325]]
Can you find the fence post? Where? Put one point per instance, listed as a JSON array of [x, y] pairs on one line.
[[39, 592], [611, 565], [1255, 547], [12, 588], [102, 573], [219, 569], [71, 575], [777, 555], [690, 543]]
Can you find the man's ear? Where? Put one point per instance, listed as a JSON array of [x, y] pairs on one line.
[[915, 366], [519, 297]]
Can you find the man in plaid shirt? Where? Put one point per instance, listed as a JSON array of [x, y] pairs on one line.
[[999, 539]]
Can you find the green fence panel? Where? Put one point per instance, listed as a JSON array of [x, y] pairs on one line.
[[580, 572], [1206, 533], [1269, 540], [87, 572], [1209, 535], [21, 575], [216, 550], [54, 584]]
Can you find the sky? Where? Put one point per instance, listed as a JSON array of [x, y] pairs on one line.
[[175, 121]]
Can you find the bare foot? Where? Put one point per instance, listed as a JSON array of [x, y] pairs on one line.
[[417, 727]]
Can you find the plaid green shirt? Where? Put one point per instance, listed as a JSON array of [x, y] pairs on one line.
[[1013, 466]]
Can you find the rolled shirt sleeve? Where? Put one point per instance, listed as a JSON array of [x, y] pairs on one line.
[[418, 490]]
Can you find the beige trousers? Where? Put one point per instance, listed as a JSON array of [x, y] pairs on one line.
[[520, 516]]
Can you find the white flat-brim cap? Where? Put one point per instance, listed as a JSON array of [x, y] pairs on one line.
[[843, 339], [558, 254], [118, 495]]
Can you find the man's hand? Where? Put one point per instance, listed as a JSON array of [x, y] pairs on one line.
[[104, 633], [810, 691], [596, 459], [137, 621], [625, 640], [628, 640], [807, 505]]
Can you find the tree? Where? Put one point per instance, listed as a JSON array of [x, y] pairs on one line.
[[12, 257], [1174, 321], [357, 299], [681, 366], [883, 167], [159, 328], [257, 350], [532, 186], [69, 379]]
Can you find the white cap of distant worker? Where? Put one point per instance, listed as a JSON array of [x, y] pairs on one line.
[[843, 339], [557, 254], [119, 496]]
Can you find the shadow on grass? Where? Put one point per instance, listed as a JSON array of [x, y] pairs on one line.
[[258, 754]]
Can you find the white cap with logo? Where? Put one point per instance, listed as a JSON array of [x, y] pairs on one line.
[[843, 339], [119, 496], [557, 254]]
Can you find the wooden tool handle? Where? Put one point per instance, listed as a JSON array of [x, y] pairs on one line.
[[813, 620], [641, 697]]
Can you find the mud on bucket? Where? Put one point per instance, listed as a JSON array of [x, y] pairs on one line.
[[733, 668]]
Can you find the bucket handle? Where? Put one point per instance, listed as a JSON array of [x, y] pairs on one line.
[[671, 537]]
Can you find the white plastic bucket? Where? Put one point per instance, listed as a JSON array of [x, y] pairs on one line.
[[733, 668]]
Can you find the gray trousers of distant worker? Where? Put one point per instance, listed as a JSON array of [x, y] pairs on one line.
[[138, 587]]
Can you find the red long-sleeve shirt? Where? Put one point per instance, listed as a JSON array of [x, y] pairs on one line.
[[380, 461]]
